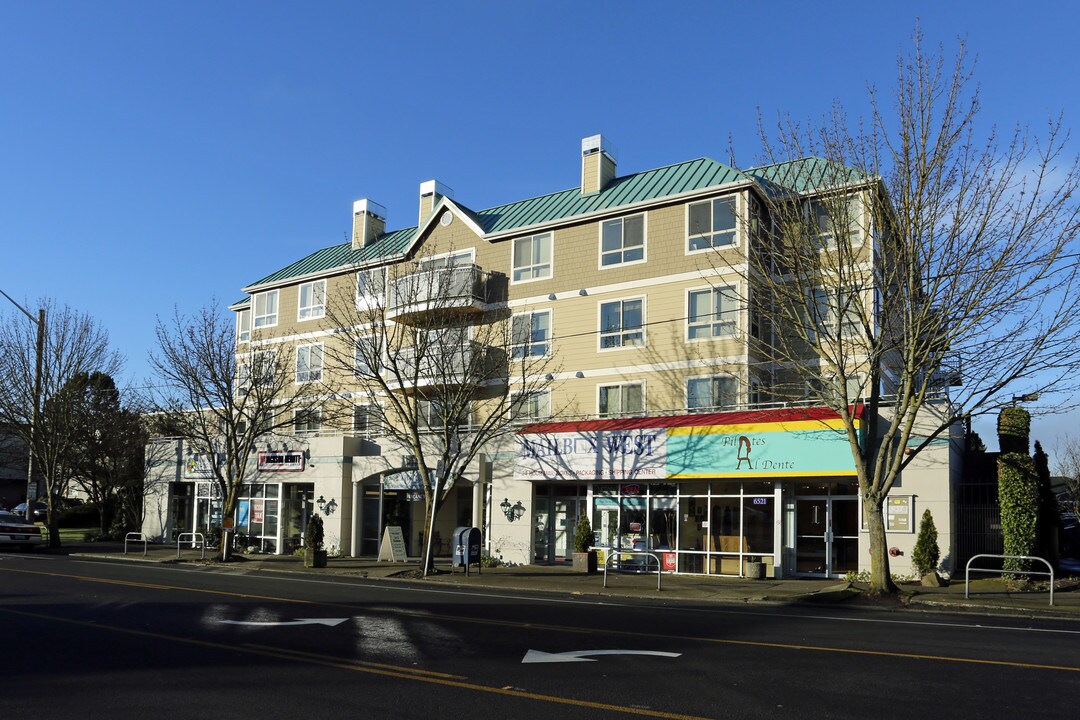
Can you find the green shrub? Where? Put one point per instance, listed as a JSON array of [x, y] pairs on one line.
[[584, 538], [1014, 430], [78, 516], [313, 533], [926, 554]]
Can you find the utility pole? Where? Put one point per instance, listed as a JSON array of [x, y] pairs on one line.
[[35, 418]]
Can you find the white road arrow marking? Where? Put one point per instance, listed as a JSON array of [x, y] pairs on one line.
[[331, 622], [538, 656]]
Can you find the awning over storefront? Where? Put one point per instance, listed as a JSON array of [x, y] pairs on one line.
[[790, 442]]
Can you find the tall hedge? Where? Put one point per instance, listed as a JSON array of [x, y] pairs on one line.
[[1047, 533], [1018, 487], [1018, 495]]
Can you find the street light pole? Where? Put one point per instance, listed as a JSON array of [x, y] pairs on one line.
[[31, 484]]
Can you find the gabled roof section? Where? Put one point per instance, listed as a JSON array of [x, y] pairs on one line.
[[650, 185], [805, 175], [341, 256]]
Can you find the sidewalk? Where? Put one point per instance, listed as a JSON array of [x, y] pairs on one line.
[[987, 595]]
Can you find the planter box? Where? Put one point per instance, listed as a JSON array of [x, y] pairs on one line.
[[585, 562], [755, 570], [314, 558]]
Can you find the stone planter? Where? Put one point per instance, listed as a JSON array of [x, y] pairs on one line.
[[755, 570], [314, 558], [585, 562]]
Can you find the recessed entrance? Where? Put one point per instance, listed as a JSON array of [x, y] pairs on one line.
[[826, 535]]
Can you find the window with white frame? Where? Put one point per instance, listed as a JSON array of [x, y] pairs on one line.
[[530, 335], [243, 325], [622, 324], [622, 241], [266, 308], [365, 421], [460, 258], [259, 367], [715, 392], [531, 258], [435, 415], [711, 224], [835, 216], [712, 313], [621, 399], [369, 356], [832, 389], [370, 287], [834, 313], [309, 363], [312, 300], [530, 407], [307, 421]]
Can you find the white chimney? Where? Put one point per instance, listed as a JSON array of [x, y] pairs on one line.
[[597, 164], [369, 222], [430, 192]]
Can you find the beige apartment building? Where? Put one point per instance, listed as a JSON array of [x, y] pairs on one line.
[[659, 418]]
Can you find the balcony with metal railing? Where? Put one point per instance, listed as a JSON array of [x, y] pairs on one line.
[[445, 365], [443, 292]]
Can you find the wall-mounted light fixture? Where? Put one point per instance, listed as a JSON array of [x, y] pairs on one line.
[[582, 291], [549, 376], [551, 296], [512, 512], [579, 374]]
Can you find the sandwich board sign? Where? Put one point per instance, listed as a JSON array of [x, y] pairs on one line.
[[392, 547]]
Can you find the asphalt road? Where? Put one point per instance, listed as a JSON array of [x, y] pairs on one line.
[[94, 639]]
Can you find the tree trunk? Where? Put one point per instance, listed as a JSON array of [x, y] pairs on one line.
[[880, 576]]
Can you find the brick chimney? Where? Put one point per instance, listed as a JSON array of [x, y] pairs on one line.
[[597, 164], [430, 192], [369, 222]]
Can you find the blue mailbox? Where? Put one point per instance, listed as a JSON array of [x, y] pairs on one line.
[[467, 548]]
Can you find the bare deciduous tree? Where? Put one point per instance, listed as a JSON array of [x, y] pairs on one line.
[[442, 375], [925, 270], [221, 399], [74, 344], [1068, 467]]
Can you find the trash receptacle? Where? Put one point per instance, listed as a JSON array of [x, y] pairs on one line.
[[466, 548]]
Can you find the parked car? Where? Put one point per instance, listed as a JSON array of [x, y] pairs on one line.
[[40, 511], [15, 530]]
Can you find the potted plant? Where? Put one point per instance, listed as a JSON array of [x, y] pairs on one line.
[[314, 554], [755, 569], [584, 555]]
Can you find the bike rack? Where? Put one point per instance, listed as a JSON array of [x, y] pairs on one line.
[[967, 570], [135, 537], [609, 553], [196, 539]]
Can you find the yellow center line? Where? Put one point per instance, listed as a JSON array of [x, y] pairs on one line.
[[368, 668], [586, 631]]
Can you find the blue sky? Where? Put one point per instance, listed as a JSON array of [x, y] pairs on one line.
[[155, 155]]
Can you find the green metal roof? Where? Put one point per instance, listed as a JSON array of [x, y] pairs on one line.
[[343, 255], [802, 175], [644, 186], [805, 175]]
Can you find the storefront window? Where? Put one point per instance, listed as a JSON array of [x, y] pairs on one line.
[[712, 533]]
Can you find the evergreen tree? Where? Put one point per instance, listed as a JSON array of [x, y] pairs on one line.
[[926, 555]]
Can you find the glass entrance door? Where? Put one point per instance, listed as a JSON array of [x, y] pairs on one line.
[[826, 535]]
